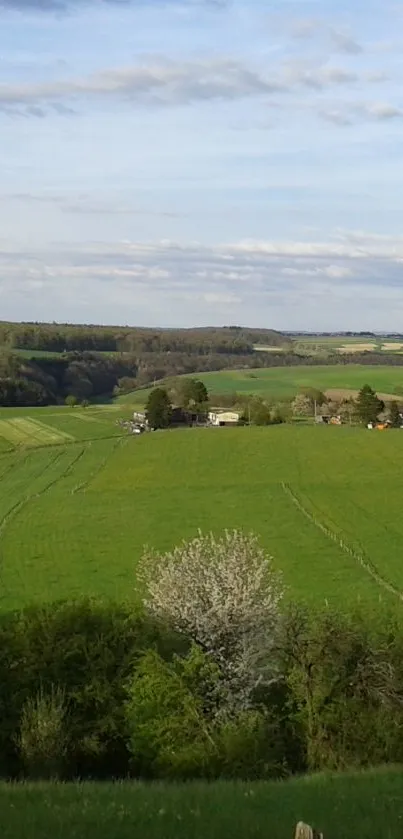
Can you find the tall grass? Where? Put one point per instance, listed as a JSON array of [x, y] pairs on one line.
[[345, 807]]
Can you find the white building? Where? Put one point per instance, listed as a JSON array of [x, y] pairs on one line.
[[221, 418]]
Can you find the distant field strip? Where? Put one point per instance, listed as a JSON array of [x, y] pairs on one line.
[[26, 431], [43, 432], [362, 560]]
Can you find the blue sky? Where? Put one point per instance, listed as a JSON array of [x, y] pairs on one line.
[[195, 162]]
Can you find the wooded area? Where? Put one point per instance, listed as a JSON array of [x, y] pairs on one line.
[[94, 361]]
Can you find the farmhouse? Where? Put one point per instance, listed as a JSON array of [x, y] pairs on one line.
[[223, 418]]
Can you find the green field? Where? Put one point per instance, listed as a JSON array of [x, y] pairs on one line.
[[76, 513], [364, 805], [285, 382]]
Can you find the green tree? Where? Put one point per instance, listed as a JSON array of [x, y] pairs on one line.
[[193, 393], [315, 396], [258, 412], [394, 415], [368, 405], [71, 401], [159, 408]]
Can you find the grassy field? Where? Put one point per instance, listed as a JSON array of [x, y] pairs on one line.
[[363, 805], [285, 382], [75, 514]]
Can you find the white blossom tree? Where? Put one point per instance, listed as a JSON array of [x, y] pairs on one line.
[[225, 595]]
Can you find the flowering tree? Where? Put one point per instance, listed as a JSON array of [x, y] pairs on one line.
[[223, 594]]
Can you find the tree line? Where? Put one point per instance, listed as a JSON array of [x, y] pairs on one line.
[[212, 674], [70, 338]]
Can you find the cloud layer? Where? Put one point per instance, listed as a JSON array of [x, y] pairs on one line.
[[172, 83], [217, 283]]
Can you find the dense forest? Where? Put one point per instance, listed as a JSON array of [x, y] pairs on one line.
[[65, 338]]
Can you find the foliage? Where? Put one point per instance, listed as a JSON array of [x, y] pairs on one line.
[[346, 691], [88, 650], [136, 698], [159, 408], [315, 396], [394, 414], [175, 731], [257, 412], [368, 405], [348, 411], [71, 400], [193, 393], [302, 406], [42, 740], [224, 594], [170, 715]]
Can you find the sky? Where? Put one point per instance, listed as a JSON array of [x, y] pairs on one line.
[[202, 162]]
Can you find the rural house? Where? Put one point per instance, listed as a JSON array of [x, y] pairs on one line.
[[223, 418]]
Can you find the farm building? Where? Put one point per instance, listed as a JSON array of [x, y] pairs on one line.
[[222, 418]]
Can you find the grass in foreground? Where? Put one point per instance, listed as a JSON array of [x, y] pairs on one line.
[[364, 805]]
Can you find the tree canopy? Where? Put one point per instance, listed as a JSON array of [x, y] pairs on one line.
[[368, 405], [159, 408]]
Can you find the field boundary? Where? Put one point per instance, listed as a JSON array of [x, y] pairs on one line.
[[362, 560]]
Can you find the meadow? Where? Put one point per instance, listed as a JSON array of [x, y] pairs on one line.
[[77, 509], [346, 806], [278, 383]]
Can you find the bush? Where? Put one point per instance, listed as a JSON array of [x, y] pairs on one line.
[[179, 731], [134, 697], [169, 714], [345, 691], [42, 741], [88, 649]]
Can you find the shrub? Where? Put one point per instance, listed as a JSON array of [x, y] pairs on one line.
[[42, 741], [89, 650], [169, 714], [225, 596], [175, 731], [346, 697]]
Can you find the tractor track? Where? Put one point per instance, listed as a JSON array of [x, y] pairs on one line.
[[364, 562]]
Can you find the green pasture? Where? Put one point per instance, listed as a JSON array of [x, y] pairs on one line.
[[54, 425], [365, 805], [284, 382], [76, 515]]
